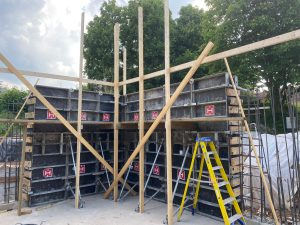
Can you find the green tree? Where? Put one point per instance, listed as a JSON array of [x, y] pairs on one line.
[[185, 32], [187, 39], [98, 42], [10, 102], [153, 27], [230, 24]]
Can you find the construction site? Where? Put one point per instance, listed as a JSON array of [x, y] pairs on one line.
[[197, 151]]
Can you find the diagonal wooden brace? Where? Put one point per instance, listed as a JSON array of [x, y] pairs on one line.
[[161, 115], [267, 191], [21, 77]]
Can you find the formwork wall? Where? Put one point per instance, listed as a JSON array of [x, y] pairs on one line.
[[49, 145]]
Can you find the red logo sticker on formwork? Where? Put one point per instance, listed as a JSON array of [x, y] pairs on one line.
[[50, 115], [154, 115], [136, 167], [210, 110], [106, 117], [136, 117], [156, 170], [82, 169], [48, 172], [181, 175], [83, 116]]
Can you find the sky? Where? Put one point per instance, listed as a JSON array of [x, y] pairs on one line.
[[44, 35]]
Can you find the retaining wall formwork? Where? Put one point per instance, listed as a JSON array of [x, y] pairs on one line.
[[48, 146]]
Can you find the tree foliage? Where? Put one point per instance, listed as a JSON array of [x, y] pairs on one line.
[[228, 24], [99, 39], [10, 101]]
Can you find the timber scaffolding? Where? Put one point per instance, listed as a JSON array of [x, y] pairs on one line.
[[143, 138]]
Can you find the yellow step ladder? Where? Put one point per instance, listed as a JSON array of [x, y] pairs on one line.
[[205, 142]]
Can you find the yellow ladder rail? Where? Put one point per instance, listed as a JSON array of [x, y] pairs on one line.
[[203, 143], [188, 180]]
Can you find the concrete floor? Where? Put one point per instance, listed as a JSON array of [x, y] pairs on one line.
[[98, 211]]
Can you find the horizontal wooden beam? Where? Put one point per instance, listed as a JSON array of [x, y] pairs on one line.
[[229, 53], [162, 114], [124, 124], [22, 121], [58, 77], [50, 107]]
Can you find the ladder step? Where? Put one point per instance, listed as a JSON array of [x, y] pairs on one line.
[[210, 153], [223, 183], [217, 167], [234, 218], [228, 200]]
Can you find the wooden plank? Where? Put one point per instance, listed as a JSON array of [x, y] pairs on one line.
[[26, 185], [235, 123], [58, 77], [252, 144], [30, 126], [109, 125], [233, 101], [233, 110], [237, 191], [236, 128], [161, 115], [46, 103], [31, 101], [29, 115], [235, 182], [232, 52], [168, 114], [27, 164], [236, 161], [26, 211], [116, 108], [124, 70], [235, 151], [8, 206], [236, 169], [235, 140], [28, 174], [28, 149], [26, 182], [25, 197], [28, 140], [141, 108], [21, 176], [79, 111], [231, 92]]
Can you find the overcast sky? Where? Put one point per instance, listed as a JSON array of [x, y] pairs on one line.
[[43, 35]]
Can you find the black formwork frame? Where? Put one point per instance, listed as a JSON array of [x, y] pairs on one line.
[[49, 144], [214, 91], [51, 150]]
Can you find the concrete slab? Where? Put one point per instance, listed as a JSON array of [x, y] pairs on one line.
[[98, 211]]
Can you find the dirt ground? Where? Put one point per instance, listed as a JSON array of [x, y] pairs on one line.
[[98, 211]]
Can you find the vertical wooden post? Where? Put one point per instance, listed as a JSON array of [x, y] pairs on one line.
[[21, 170], [124, 70], [252, 144], [168, 115], [116, 110], [77, 182], [141, 105], [161, 115]]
